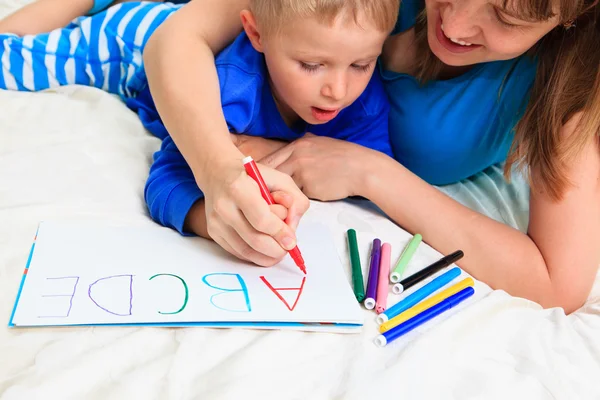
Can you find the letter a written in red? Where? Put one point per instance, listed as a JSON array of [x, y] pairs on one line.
[[278, 291]]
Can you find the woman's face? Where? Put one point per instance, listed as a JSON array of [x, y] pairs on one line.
[[466, 32]]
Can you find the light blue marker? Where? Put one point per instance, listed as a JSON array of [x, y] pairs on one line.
[[419, 295], [420, 319]]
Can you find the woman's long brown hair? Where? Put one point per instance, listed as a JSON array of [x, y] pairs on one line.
[[567, 82]]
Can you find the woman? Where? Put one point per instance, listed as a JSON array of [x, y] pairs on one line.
[[537, 59]]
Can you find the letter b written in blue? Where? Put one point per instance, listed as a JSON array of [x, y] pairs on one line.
[[233, 292]]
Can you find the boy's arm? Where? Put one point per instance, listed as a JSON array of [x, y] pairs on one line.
[[171, 191], [196, 220]]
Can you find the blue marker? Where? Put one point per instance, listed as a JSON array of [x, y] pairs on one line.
[[425, 316], [419, 295]]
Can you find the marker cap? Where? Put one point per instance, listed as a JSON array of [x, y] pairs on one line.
[[380, 341], [397, 288]]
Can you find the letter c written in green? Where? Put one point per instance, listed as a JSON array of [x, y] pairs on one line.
[[184, 287]]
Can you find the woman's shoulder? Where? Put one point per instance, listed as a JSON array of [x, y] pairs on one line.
[[516, 74], [485, 102]]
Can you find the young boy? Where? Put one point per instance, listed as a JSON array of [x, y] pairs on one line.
[[308, 68]]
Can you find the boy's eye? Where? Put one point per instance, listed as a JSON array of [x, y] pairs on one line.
[[309, 67], [362, 68]]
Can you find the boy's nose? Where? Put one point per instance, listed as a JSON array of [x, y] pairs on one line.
[[336, 87]]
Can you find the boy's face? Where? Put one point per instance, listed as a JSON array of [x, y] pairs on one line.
[[318, 69]]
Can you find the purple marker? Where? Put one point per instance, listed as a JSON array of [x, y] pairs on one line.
[[373, 275]]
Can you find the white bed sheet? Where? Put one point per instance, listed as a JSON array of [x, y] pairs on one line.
[[78, 153]]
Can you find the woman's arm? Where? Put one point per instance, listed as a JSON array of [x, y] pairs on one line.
[[554, 264], [44, 16], [179, 63], [567, 233]]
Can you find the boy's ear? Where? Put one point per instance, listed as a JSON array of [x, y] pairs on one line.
[[251, 29]]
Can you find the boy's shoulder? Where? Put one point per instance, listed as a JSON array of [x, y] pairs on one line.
[[370, 104], [374, 98], [240, 57], [365, 121], [242, 79]]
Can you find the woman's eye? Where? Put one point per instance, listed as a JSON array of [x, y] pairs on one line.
[[502, 21]]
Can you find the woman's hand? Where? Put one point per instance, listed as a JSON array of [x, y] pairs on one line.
[[196, 219], [324, 168]]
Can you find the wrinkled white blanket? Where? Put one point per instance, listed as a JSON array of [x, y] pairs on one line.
[[78, 153]]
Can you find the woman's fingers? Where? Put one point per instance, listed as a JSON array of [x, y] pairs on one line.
[[250, 218], [225, 245], [241, 242]]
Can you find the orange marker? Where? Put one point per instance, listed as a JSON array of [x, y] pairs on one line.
[[254, 173]]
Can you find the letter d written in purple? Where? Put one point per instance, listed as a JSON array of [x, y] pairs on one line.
[[113, 294]]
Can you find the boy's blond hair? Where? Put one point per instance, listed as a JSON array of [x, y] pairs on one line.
[[273, 15]]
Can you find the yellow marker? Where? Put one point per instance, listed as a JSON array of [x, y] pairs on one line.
[[424, 305]]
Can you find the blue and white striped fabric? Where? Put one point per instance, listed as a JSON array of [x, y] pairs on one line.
[[103, 51]]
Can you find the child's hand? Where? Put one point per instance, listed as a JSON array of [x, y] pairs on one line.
[[239, 219]]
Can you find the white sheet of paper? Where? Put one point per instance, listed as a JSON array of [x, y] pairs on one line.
[[88, 274]]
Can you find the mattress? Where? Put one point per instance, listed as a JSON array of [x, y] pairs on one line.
[[80, 154]]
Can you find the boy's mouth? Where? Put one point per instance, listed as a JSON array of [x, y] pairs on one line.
[[324, 115]]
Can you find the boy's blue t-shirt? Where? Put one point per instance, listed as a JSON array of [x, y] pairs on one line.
[[249, 109], [448, 130]]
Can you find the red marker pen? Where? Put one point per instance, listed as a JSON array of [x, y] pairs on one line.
[[254, 173]]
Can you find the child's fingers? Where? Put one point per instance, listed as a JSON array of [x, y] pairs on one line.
[[286, 202], [262, 221], [298, 203], [280, 211], [283, 198]]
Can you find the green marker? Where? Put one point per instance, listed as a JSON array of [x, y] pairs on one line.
[[405, 257], [357, 275]]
